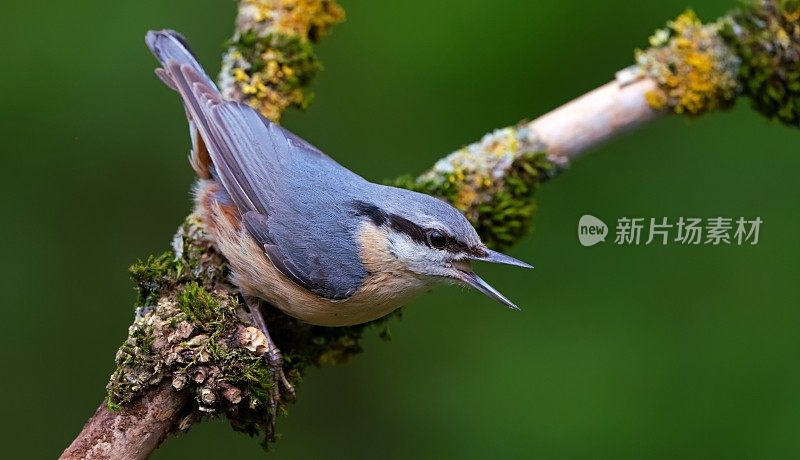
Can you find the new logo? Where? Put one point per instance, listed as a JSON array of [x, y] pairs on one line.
[[591, 230]]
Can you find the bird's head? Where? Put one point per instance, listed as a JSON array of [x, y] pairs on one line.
[[431, 239]]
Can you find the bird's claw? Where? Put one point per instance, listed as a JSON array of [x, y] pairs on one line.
[[274, 360]]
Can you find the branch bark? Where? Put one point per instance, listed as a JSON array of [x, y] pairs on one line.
[[690, 69], [596, 117], [132, 433]]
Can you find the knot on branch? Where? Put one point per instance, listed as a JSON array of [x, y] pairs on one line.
[[766, 36], [492, 182], [193, 331], [695, 69], [270, 60]]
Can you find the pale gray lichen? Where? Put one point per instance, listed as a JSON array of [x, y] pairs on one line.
[[488, 159]]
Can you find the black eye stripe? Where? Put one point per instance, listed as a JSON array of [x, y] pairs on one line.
[[403, 225], [420, 234], [374, 213], [400, 224]]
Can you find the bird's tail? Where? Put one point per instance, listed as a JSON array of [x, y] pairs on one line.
[[170, 46]]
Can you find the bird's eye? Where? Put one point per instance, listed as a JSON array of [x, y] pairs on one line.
[[437, 239]]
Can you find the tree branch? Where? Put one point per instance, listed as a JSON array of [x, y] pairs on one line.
[[192, 353], [596, 117], [133, 432]]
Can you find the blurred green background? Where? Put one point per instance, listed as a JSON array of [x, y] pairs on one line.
[[619, 352]]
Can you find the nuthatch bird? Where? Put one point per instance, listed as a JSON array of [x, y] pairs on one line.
[[302, 232]]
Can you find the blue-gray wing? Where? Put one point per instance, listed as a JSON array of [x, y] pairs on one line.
[[295, 200], [312, 268]]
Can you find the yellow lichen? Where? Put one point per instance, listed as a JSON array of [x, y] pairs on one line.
[[695, 70], [656, 99], [467, 197], [240, 75]]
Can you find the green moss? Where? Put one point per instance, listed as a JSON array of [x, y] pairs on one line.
[[199, 306], [766, 36], [143, 339], [154, 268], [111, 404], [153, 275], [508, 215]]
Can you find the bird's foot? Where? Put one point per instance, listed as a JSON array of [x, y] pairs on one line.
[[274, 360]]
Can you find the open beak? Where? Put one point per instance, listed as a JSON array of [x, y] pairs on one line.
[[466, 275]]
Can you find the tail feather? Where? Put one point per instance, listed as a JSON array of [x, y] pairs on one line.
[[169, 47]]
